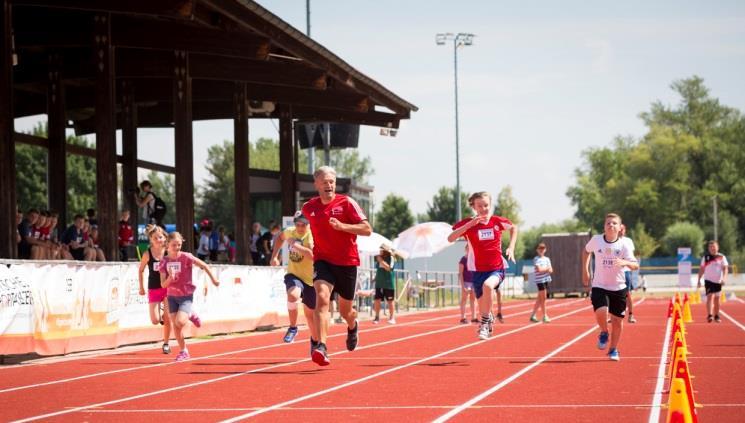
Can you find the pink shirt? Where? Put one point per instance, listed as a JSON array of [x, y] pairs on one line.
[[179, 268]]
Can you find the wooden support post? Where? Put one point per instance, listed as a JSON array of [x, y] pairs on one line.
[[105, 123], [286, 174], [242, 181], [8, 245], [57, 152], [129, 150], [184, 144]]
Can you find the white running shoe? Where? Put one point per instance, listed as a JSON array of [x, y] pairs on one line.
[[484, 332]]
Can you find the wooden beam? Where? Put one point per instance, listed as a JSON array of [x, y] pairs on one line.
[[106, 175], [242, 180], [286, 171], [204, 66], [179, 9], [57, 153], [317, 114], [129, 150], [8, 246], [184, 144]]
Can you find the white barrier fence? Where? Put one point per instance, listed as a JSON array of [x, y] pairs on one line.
[[61, 307]]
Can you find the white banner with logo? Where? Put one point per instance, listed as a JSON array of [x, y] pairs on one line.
[[62, 307]]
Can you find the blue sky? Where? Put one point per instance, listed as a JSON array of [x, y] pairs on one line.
[[542, 82]]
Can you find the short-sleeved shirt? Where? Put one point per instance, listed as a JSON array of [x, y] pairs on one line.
[[24, 248], [71, 234], [714, 267], [336, 247], [384, 278], [467, 274], [126, 234], [300, 265], [181, 267], [485, 243], [606, 275], [542, 277]]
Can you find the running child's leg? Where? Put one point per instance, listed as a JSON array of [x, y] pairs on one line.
[[154, 317], [616, 329], [293, 297]]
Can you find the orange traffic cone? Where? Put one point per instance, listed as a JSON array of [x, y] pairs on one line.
[[723, 298], [670, 309], [679, 409], [682, 371], [687, 317]]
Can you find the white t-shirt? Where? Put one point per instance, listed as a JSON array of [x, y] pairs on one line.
[[608, 276], [542, 277], [714, 267], [204, 245]]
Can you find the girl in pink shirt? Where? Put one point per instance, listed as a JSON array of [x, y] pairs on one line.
[[175, 275]]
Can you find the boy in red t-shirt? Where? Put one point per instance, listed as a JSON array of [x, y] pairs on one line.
[[126, 236]]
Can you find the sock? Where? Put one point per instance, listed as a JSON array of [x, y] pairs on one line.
[[485, 319]]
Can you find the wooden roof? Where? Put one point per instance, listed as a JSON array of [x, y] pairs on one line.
[[227, 41]]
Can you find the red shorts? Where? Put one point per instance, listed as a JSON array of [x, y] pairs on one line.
[[156, 295]]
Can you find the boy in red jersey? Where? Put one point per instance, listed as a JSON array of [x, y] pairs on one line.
[[483, 233], [335, 221]]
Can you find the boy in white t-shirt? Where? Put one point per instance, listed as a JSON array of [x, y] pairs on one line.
[[714, 269], [609, 290]]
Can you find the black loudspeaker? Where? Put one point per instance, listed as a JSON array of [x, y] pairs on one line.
[[343, 135]]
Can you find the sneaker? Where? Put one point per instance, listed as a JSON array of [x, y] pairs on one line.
[[710, 318], [613, 355], [533, 318], [338, 320], [632, 319], [464, 321], [196, 320], [290, 335], [319, 355], [484, 332], [352, 338], [392, 321], [546, 319], [717, 319], [313, 345], [491, 322], [474, 320], [183, 355], [602, 340], [376, 321], [166, 349], [500, 318]]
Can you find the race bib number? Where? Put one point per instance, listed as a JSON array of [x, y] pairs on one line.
[[486, 234], [174, 268], [156, 266]]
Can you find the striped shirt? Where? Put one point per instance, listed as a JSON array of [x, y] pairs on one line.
[[542, 277]]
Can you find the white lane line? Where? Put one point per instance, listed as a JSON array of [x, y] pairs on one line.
[[171, 362], [732, 319], [509, 380], [391, 370], [231, 376], [654, 412]]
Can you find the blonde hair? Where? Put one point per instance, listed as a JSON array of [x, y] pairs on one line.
[[476, 195], [153, 229], [613, 215], [175, 235]]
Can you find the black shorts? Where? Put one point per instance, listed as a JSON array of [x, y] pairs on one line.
[[384, 293], [712, 287], [542, 286], [614, 300], [343, 278], [78, 253], [307, 293]]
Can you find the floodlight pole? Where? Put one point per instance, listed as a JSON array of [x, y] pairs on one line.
[[312, 149], [460, 39]]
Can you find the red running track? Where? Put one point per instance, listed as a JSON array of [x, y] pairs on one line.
[[426, 368]]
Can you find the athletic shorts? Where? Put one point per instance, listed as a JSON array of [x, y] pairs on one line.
[[712, 287], [542, 286], [614, 300], [384, 293], [182, 304], [78, 253], [480, 277], [343, 278], [468, 286], [156, 295], [307, 293]]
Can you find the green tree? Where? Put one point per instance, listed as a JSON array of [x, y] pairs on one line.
[[394, 216], [507, 205], [217, 196], [31, 176], [645, 244], [442, 208], [684, 234]]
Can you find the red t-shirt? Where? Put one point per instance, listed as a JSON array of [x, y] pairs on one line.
[[335, 247], [126, 236], [485, 244], [44, 233]]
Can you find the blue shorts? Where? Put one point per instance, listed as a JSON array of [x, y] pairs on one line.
[[480, 277], [182, 304], [307, 293]]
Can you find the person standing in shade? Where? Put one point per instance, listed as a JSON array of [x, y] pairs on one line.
[[385, 284], [299, 276], [608, 292], [714, 269], [335, 221], [483, 232], [465, 278], [543, 271]]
